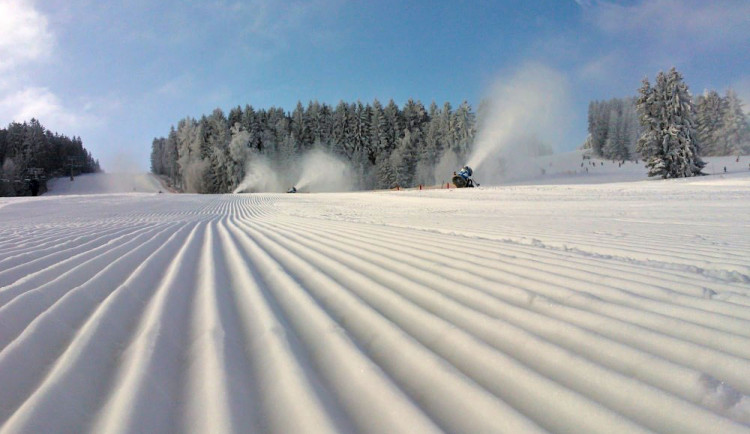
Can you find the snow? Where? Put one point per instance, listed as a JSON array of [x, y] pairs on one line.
[[567, 302], [106, 183]]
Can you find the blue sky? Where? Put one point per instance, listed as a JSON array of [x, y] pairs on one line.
[[119, 73]]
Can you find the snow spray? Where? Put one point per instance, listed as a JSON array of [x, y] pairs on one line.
[[523, 115], [259, 177], [322, 172]]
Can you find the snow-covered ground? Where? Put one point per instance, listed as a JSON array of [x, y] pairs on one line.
[[105, 183], [569, 306]]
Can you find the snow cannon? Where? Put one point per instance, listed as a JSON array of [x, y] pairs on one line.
[[463, 178], [292, 190]]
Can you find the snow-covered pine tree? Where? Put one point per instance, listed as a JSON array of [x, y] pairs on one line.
[[339, 128], [599, 115], [170, 156], [414, 115], [386, 176], [669, 140], [301, 127], [394, 125], [709, 110], [404, 158], [433, 136], [431, 150], [217, 137], [314, 120], [632, 127], [157, 149], [251, 123], [324, 124], [649, 108], [733, 137], [235, 116], [378, 142], [465, 130], [239, 151], [363, 129], [613, 144], [274, 132], [447, 128]]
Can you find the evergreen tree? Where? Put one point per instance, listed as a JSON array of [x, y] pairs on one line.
[[465, 132], [29, 145], [239, 154], [733, 137], [301, 128], [668, 142], [599, 115], [433, 138], [404, 158], [394, 126], [339, 129], [235, 116], [385, 173], [616, 144], [447, 128], [709, 111], [378, 141]]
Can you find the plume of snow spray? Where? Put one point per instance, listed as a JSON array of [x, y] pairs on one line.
[[523, 113], [322, 172], [259, 177]]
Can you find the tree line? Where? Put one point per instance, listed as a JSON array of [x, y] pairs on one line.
[[385, 146], [719, 125], [29, 151], [388, 146]]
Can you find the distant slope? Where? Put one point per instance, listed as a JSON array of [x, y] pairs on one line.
[[571, 168], [106, 183]]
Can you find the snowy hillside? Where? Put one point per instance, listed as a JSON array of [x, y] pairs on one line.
[[566, 307], [571, 168], [105, 183]]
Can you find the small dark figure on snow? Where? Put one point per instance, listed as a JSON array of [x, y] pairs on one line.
[[34, 187], [725, 169]]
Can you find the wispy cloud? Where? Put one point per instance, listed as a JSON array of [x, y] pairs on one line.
[[271, 24], [677, 24], [601, 68], [25, 34], [177, 86]]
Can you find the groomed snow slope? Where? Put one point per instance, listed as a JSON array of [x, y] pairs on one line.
[[105, 183], [564, 308]]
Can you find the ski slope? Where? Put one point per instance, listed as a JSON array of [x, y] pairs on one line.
[[105, 183], [570, 307]]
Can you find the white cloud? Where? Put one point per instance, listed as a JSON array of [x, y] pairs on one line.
[[42, 104], [25, 41], [24, 36], [677, 24]]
